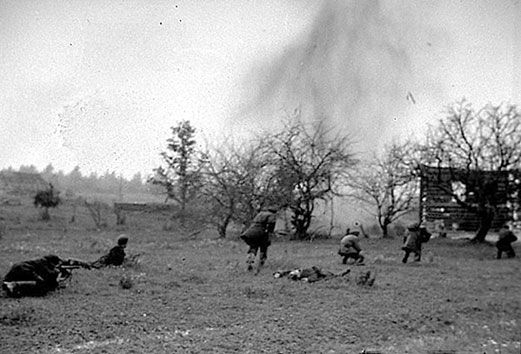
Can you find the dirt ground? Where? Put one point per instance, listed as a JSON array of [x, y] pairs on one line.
[[192, 294]]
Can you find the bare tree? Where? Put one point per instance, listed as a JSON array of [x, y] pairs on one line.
[[237, 183], [219, 189], [472, 144], [386, 185], [96, 210], [311, 163]]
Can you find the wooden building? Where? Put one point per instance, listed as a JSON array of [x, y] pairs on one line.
[[438, 205]]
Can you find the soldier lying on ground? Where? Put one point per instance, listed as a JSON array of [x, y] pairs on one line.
[[116, 255], [309, 275], [504, 243], [350, 247], [39, 276]]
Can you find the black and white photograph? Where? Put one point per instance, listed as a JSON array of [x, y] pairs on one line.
[[260, 176]]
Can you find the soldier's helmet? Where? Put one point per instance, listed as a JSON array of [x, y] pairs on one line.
[[122, 240], [413, 226]]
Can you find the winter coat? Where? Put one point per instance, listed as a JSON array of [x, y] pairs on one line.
[[349, 244], [415, 237], [115, 257], [506, 237], [42, 271], [262, 225]]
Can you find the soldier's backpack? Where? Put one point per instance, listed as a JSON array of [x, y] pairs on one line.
[[425, 235]]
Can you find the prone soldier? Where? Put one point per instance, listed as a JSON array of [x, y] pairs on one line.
[[39, 276], [116, 255]]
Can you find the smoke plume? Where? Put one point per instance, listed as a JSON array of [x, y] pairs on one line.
[[360, 66]]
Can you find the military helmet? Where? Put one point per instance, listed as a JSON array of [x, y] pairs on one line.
[[122, 240], [413, 226]]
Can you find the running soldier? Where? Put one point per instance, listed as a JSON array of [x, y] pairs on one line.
[[416, 235], [257, 236], [504, 243]]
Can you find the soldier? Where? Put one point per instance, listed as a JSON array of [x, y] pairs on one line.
[[504, 243], [34, 277], [350, 247], [257, 236], [416, 235], [309, 275], [116, 255]]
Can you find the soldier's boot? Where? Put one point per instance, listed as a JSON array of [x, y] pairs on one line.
[[262, 259], [360, 260], [250, 259]]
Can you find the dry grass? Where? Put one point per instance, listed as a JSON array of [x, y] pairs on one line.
[[191, 295]]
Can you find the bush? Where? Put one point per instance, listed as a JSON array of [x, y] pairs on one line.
[[46, 199], [126, 282]]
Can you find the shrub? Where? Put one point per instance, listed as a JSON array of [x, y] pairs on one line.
[[46, 199], [126, 282]]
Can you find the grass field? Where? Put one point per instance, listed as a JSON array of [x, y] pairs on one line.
[[191, 294]]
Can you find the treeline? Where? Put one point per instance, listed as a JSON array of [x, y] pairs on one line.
[[74, 182], [303, 164]]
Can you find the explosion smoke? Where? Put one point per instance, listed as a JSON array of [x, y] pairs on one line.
[[356, 67]]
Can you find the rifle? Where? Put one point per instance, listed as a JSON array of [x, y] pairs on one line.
[[15, 288], [66, 268]]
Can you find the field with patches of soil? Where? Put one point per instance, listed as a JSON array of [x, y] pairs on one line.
[[192, 294]]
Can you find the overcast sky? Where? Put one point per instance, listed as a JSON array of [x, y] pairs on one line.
[[98, 83]]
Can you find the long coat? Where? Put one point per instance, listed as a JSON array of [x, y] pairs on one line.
[[349, 244], [262, 225], [115, 257], [415, 238], [41, 270], [506, 237], [412, 240]]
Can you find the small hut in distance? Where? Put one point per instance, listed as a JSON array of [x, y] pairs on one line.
[[438, 205]]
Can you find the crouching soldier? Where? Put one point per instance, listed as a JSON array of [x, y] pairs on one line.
[[257, 236], [116, 255], [504, 242], [34, 277], [350, 247], [415, 236]]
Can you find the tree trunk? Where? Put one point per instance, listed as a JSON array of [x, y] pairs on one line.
[[385, 230], [45, 214], [182, 214], [221, 228], [301, 221], [486, 216]]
